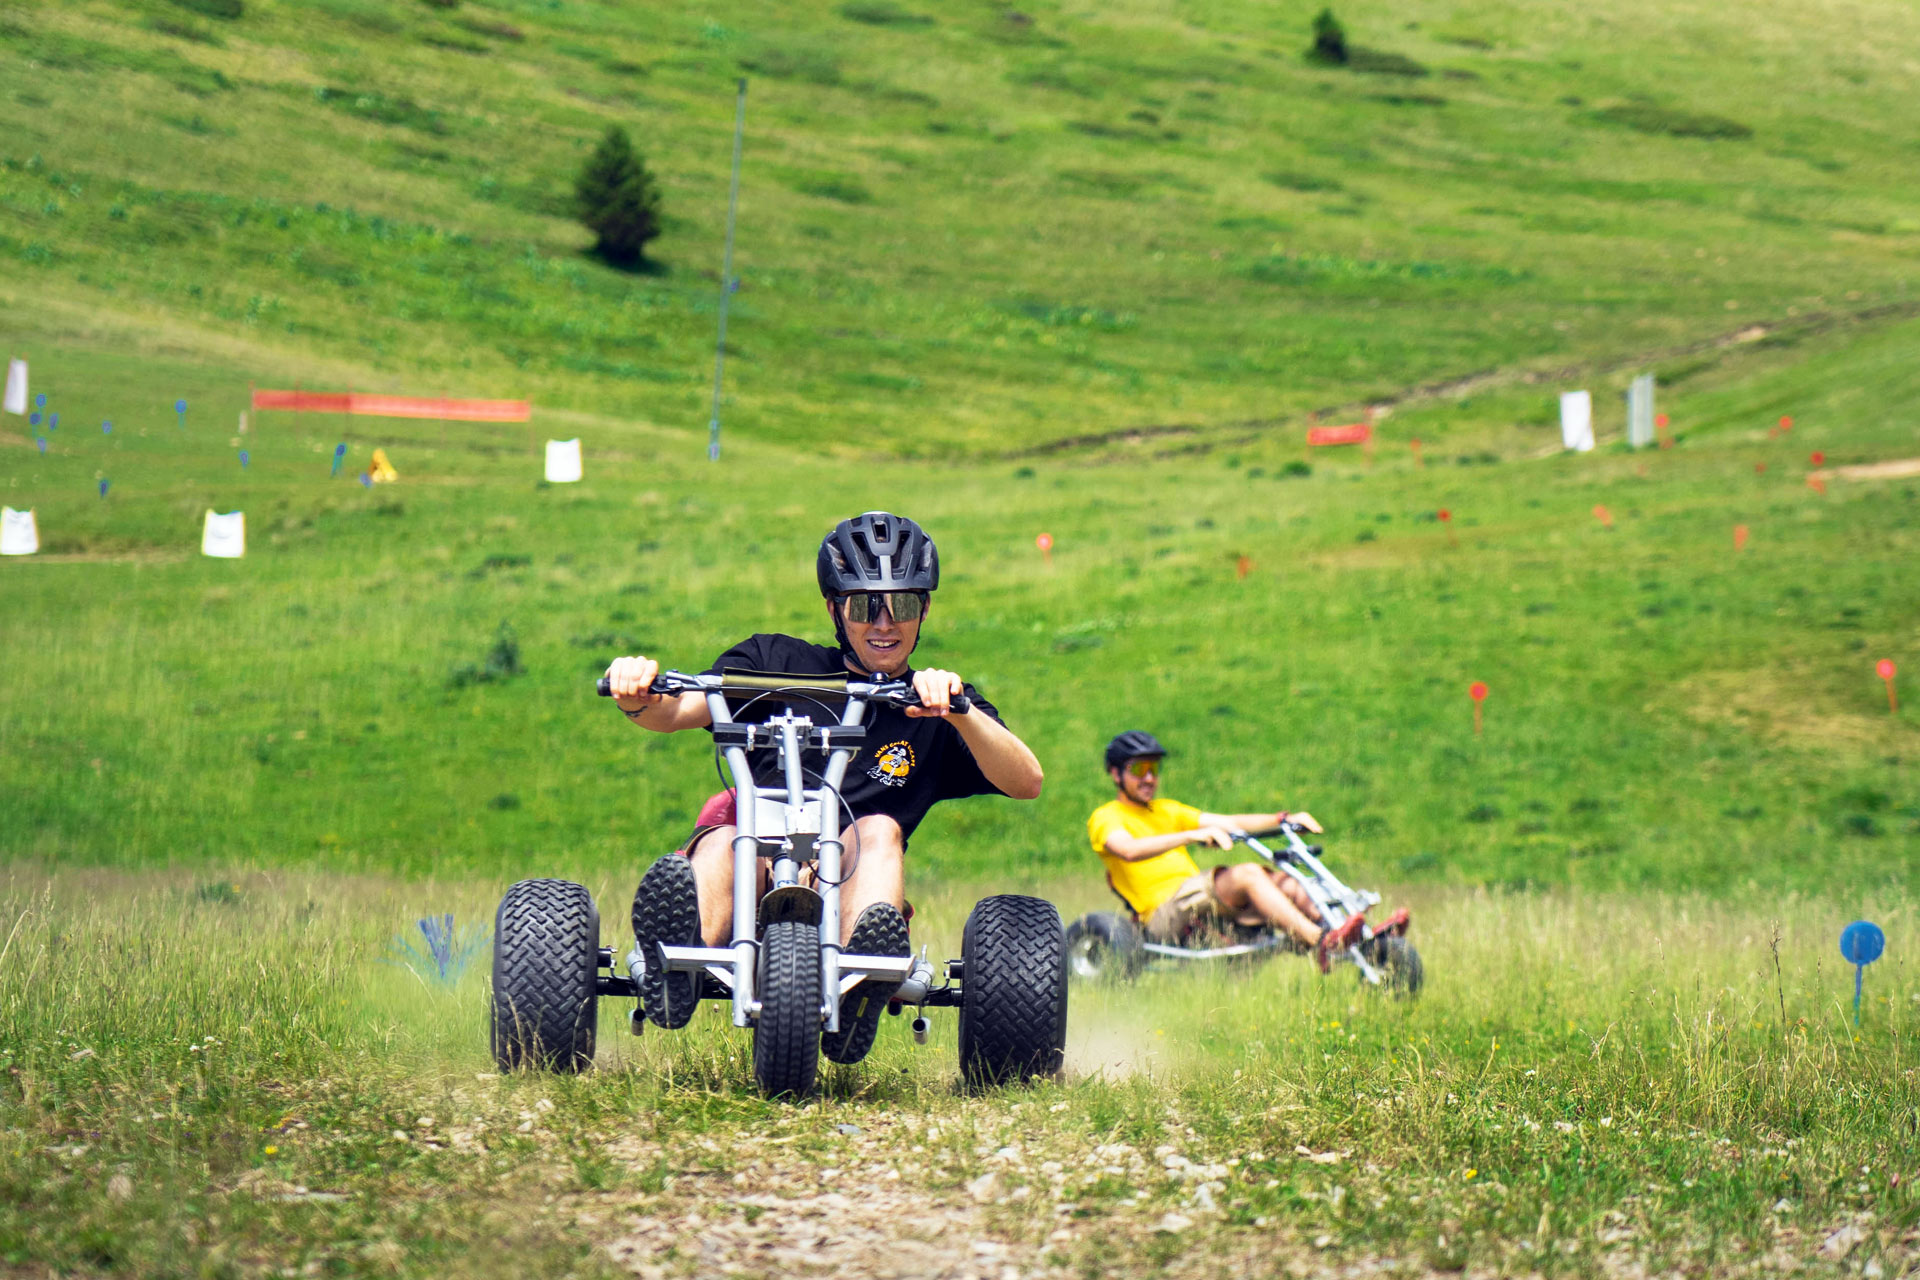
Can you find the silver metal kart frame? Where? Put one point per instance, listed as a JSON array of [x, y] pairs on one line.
[[1336, 901], [791, 826]]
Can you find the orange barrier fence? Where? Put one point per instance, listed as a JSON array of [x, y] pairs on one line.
[[377, 406], [1351, 433]]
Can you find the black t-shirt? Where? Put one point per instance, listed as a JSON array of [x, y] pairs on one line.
[[909, 763]]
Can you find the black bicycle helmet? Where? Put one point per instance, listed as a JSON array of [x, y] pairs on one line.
[[877, 551], [1131, 745]]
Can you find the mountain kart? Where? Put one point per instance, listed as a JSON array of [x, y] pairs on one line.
[[1107, 944], [784, 973]]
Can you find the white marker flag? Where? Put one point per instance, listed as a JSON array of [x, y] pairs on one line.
[[16, 401], [1640, 412], [563, 461], [1576, 420], [225, 535], [18, 535]]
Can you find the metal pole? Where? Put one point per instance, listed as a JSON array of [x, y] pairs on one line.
[[726, 276]]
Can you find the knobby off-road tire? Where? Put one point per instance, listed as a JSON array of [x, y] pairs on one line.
[[786, 1036], [1105, 947], [1402, 971], [546, 952], [1013, 991]]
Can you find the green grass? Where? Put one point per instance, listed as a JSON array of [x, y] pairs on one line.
[[185, 1069], [931, 199], [1011, 272], [1664, 713]]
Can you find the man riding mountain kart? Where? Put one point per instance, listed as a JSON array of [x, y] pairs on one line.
[[877, 573], [1142, 837]]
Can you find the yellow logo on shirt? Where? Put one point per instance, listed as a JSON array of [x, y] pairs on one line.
[[892, 763]]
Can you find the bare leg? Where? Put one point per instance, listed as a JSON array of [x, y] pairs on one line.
[[873, 861], [1247, 885], [1296, 891], [712, 860]]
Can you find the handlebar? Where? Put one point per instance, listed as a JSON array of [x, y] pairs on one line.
[[894, 693]]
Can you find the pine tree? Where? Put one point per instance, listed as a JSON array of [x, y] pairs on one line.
[[1329, 38], [618, 200]]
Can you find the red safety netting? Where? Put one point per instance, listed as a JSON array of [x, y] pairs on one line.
[[378, 406], [1351, 433]]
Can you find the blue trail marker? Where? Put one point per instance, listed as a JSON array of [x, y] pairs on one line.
[[366, 480], [106, 428], [1861, 943], [339, 452], [33, 419], [40, 401], [103, 487], [53, 423], [180, 407], [42, 441], [243, 459]]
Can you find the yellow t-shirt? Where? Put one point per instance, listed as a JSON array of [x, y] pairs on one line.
[[1151, 881]]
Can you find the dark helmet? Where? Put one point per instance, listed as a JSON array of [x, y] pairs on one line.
[[1131, 745], [877, 552]]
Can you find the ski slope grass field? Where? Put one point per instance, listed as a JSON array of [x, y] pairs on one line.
[[1012, 272]]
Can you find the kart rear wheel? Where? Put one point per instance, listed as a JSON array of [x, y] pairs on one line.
[[546, 964], [1402, 973], [786, 1035], [1013, 991], [1105, 947]]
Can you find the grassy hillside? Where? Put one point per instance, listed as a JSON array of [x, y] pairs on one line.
[[1081, 270], [1665, 710], [966, 229]]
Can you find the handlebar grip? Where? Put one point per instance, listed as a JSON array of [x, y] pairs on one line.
[[603, 687]]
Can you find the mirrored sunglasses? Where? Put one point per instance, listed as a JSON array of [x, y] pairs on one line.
[[1144, 767], [902, 606]]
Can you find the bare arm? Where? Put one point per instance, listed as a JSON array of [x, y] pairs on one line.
[[631, 682], [1007, 762], [1255, 821], [1139, 848]]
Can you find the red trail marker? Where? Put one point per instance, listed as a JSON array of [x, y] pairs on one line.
[[1604, 516], [1244, 565], [1478, 692], [1885, 668], [1739, 537], [1786, 423], [1045, 543], [1349, 433], [1446, 518], [1418, 461], [1759, 468], [1816, 484], [1818, 459]]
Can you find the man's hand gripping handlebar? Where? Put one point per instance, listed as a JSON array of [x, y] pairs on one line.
[[895, 693]]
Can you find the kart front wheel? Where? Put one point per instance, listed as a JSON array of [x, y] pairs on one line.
[[546, 963], [1104, 947], [786, 1035], [1013, 991], [1402, 973]]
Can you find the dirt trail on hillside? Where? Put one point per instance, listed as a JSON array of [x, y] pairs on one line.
[[875, 1231], [1241, 432]]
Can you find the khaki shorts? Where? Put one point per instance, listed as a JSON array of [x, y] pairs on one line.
[[1191, 904]]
